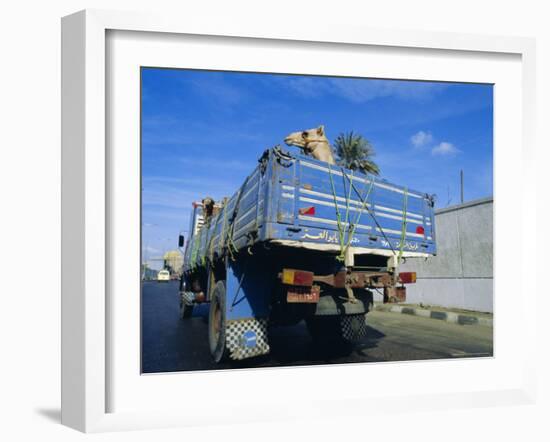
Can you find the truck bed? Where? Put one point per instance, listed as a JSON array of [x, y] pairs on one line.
[[296, 201]]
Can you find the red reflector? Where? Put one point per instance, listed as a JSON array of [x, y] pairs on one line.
[[307, 210], [296, 277], [420, 230]]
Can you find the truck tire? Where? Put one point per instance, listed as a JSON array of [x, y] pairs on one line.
[[348, 328], [217, 323], [186, 310], [325, 329]]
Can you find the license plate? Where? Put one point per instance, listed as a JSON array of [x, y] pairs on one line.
[[307, 295]]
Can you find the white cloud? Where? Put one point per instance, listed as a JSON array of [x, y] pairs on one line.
[[361, 90], [421, 138], [445, 148], [307, 87]]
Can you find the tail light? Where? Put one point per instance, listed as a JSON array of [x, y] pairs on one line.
[[420, 230], [407, 277], [297, 277]]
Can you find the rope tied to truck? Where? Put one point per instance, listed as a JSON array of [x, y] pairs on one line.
[[207, 242], [228, 242], [194, 252], [341, 232], [371, 213], [344, 176], [210, 247], [344, 245], [364, 200], [403, 226], [231, 246]]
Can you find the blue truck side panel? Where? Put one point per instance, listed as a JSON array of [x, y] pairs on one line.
[[276, 200]]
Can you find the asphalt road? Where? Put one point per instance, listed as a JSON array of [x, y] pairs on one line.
[[170, 344]]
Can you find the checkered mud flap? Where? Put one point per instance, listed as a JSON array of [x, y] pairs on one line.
[[354, 327], [246, 338]]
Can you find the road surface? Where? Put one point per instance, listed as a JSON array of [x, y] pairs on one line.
[[171, 344]]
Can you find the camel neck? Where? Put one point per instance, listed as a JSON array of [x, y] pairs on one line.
[[316, 144]]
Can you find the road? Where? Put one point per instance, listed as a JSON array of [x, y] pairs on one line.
[[171, 344]]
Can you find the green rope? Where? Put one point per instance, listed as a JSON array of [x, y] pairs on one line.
[[231, 246], [360, 212], [210, 246], [195, 250], [221, 241], [228, 235], [371, 213], [403, 226], [344, 245], [344, 176], [341, 233], [202, 257], [207, 241]]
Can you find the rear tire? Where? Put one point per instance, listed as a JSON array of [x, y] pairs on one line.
[[217, 323], [337, 329], [325, 329], [186, 310]]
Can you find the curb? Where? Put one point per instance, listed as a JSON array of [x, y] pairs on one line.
[[452, 317]]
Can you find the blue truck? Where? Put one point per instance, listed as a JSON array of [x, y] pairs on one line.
[[301, 239]]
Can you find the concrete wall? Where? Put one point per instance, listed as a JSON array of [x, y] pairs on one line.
[[461, 275]]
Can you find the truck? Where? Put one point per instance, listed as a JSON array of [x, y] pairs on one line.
[[301, 240]]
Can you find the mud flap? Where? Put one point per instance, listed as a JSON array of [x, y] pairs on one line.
[[354, 327], [246, 338]]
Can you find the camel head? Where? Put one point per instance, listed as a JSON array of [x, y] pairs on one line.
[[208, 206], [305, 137], [313, 142]]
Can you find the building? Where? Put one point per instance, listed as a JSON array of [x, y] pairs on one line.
[[173, 260], [461, 275]]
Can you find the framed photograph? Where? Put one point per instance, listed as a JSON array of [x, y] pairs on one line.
[[252, 212]]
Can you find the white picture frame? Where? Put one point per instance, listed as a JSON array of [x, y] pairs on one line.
[[86, 316]]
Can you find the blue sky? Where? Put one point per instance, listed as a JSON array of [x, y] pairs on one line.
[[202, 133]]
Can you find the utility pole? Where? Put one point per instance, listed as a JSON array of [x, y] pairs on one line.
[[461, 186]]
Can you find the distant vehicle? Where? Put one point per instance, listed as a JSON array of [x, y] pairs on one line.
[[163, 276]]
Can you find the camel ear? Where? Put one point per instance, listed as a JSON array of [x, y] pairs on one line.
[[321, 130]]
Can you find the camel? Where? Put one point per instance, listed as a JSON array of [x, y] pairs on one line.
[[208, 208], [313, 142]]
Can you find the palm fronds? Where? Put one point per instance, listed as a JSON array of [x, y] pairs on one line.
[[355, 152]]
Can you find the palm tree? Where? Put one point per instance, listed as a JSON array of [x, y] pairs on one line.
[[355, 152]]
